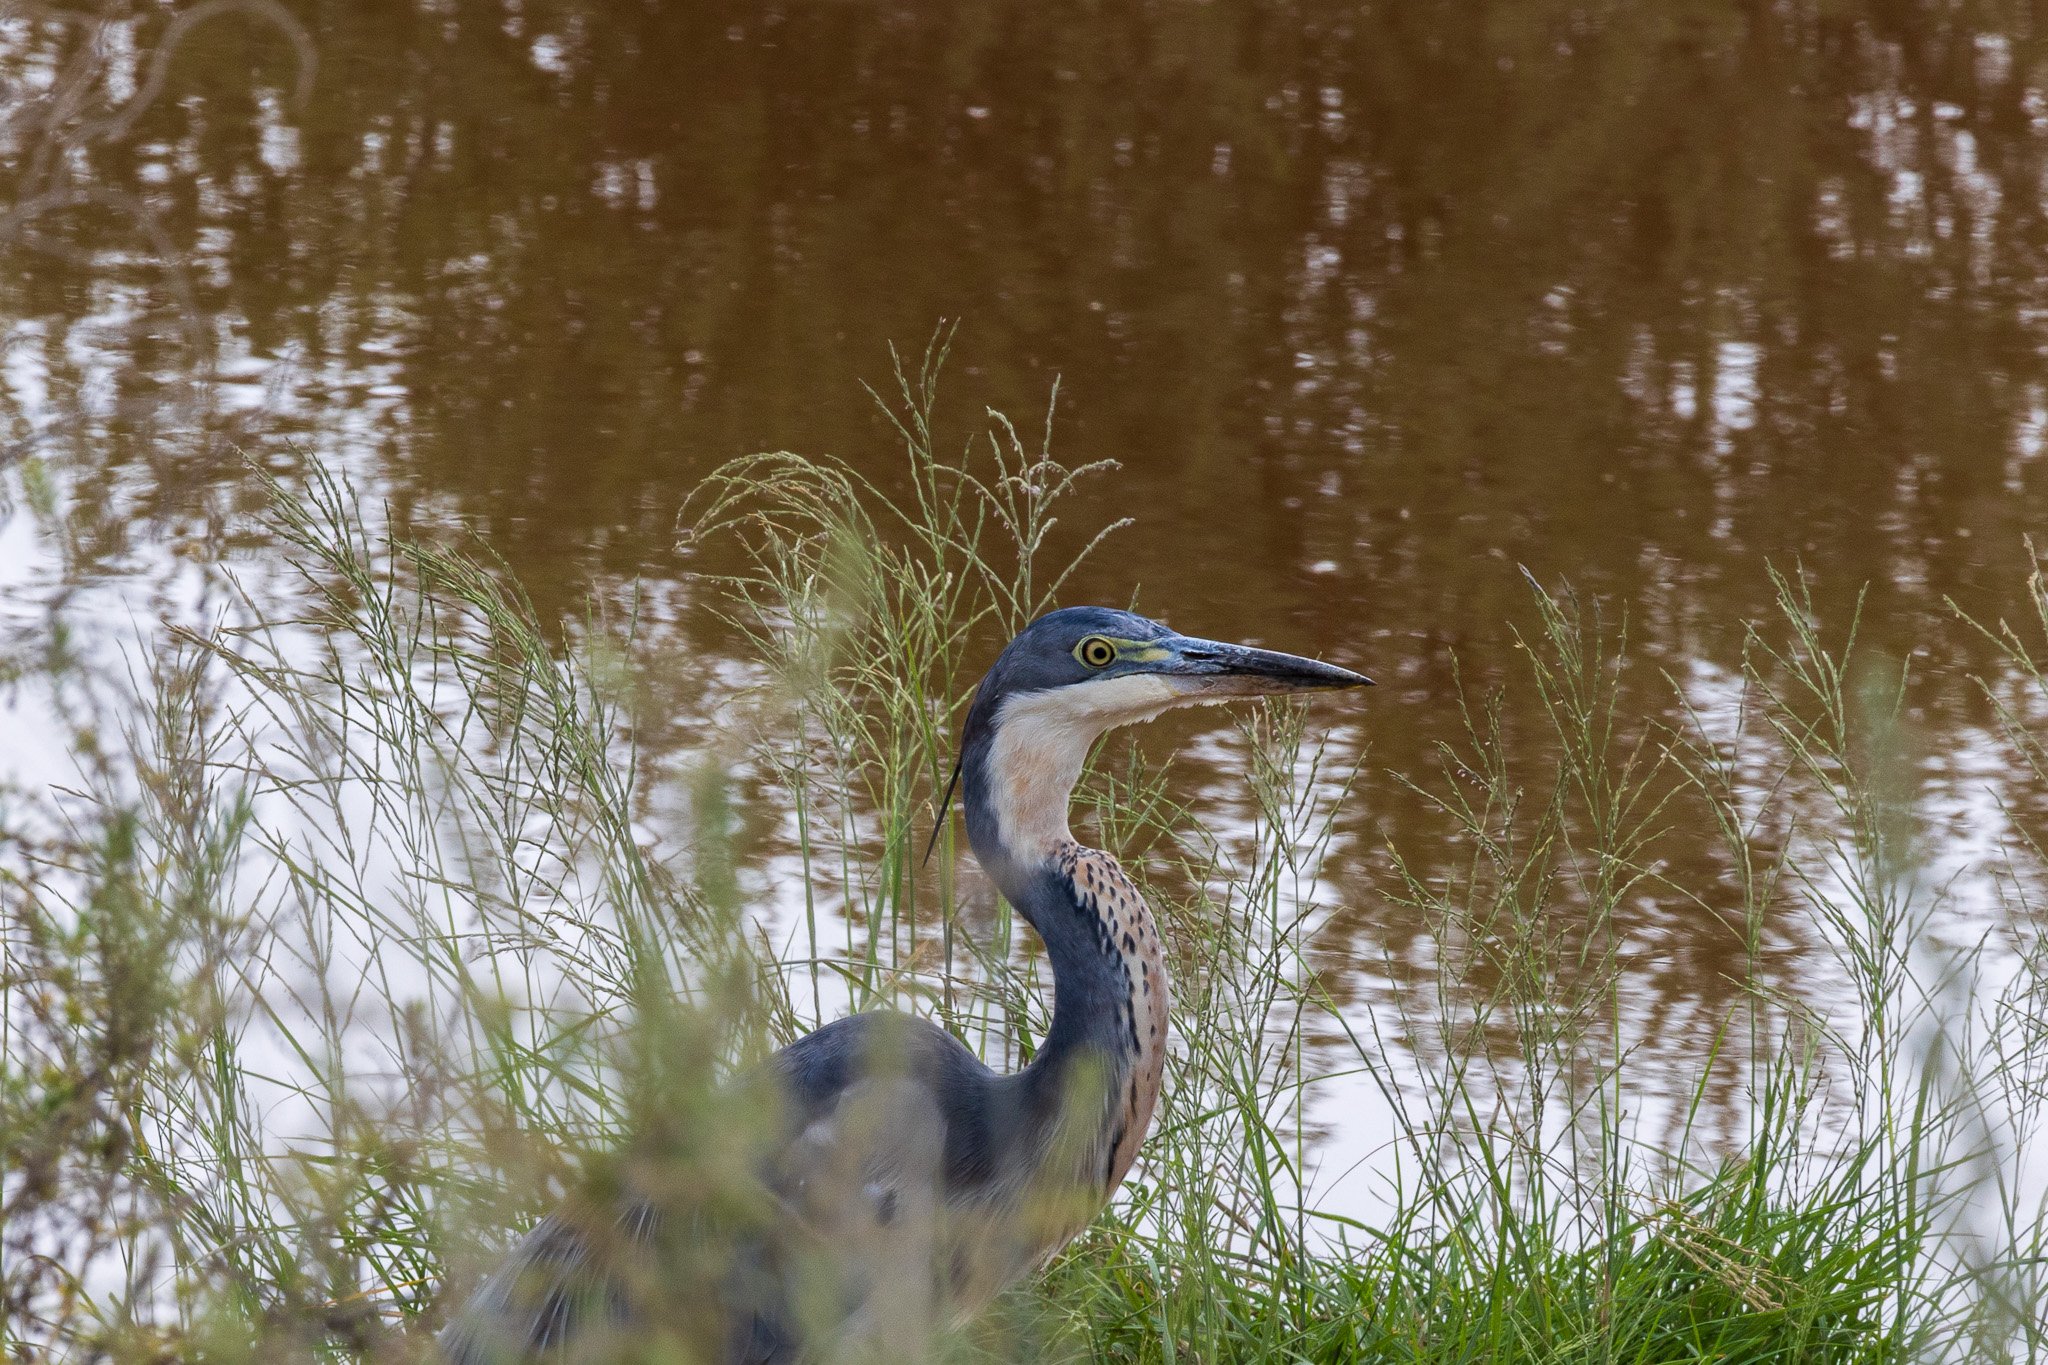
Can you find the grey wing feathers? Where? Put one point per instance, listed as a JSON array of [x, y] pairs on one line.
[[841, 1266], [864, 1191], [558, 1293]]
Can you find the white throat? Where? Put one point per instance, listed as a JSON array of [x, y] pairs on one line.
[[1041, 741]]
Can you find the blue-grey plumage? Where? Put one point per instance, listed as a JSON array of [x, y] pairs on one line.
[[905, 1183]]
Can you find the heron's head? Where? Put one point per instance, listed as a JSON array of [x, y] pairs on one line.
[[1074, 673]]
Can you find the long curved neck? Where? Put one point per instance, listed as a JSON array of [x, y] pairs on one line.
[[1014, 796], [1096, 1074]]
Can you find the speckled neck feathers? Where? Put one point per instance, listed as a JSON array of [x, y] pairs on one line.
[[1127, 947], [1098, 1071]]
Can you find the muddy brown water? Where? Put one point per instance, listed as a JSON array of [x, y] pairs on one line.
[[1374, 303]]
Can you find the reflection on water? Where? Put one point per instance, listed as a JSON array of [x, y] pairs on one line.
[[1373, 303]]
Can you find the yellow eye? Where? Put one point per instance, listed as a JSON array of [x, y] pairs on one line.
[[1095, 652]]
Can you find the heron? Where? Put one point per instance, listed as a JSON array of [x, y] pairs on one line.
[[906, 1183]]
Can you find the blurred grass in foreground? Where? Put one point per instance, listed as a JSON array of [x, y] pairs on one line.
[[346, 955]]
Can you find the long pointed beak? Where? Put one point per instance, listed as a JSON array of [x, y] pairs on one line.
[[1203, 669]]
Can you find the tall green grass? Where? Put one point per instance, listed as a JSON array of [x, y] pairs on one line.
[[348, 954]]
